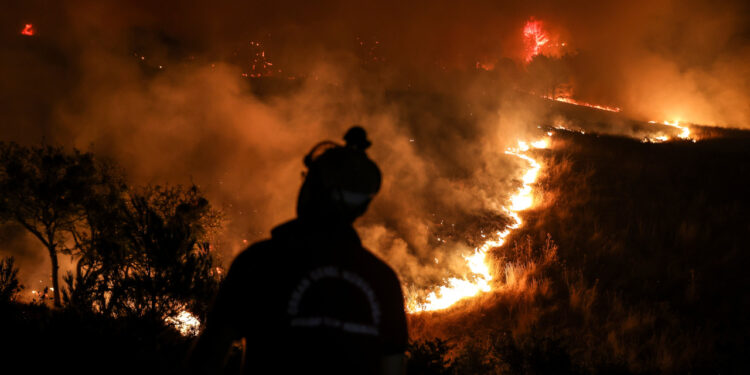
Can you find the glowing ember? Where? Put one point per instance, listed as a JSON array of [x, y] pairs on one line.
[[656, 139], [259, 65], [583, 104], [538, 40], [28, 30], [684, 131], [185, 322], [560, 127], [488, 66], [458, 289]]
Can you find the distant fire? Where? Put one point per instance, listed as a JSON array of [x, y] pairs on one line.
[[28, 30], [583, 104], [535, 38], [538, 40], [684, 132], [458, 289]]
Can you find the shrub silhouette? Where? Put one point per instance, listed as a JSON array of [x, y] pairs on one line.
[[149, 255], [9, 284], [45, 189]]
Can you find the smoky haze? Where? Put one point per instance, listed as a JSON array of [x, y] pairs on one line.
[[159, 87]]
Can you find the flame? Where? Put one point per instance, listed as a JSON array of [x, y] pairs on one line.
[[583, 104], [185, 322], [564, 92], [458, 289], [684, 132], [535, 37], [538, 40], [656, 139], [28, 30], [561, 127], [542, 143]]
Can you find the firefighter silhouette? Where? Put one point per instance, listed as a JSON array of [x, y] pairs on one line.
[[311, 299]]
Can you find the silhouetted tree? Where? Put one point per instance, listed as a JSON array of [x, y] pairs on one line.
[[148, 255], [9, 285], [45, 189], [101, 248]]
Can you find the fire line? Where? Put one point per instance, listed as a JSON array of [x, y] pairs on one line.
[[459, 289]]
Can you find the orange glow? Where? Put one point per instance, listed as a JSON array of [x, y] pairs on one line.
[[583, 104], [535, 37], [656, 139], [185, 322], [459, 289], [488, 66], [684, 132], [28, 30]]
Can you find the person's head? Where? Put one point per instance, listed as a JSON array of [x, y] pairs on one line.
[[340, 181]]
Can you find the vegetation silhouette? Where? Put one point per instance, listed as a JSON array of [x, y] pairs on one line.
[[331, 307], [9, 284], [46, 190], [141, 255], [147, 255]]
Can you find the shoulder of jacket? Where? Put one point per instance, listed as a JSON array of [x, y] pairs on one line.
[[254, 252]]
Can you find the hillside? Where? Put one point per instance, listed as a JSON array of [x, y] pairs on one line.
[[633, 262]]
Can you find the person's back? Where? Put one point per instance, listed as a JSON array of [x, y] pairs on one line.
[[312, 299]]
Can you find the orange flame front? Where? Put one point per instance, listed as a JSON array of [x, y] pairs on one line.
[[458, 289], [534, 37], [684, 132], [582, 104]]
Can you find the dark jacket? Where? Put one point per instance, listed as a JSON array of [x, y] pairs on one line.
[[313, 300]]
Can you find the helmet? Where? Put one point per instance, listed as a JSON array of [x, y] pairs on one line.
[[340, 181]]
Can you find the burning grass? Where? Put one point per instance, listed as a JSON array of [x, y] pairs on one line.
[[635, 264], [633, 261]]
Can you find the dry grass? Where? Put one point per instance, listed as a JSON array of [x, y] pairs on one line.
[[646, 273]]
